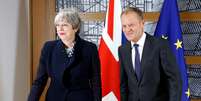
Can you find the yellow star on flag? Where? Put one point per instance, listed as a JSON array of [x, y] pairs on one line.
[[178, 44], [188, 93], [164, 37]]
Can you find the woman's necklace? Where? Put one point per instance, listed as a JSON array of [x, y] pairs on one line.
[[70, 50]]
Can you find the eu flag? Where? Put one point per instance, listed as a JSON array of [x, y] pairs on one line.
[[169, 28]]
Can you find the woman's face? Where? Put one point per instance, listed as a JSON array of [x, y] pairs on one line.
[[65, 30]]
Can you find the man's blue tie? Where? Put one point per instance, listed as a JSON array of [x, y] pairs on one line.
[[137, 61]]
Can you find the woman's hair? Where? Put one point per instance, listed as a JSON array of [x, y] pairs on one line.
[[69, 15]]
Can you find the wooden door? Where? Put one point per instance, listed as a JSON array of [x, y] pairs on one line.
[[42, 29]]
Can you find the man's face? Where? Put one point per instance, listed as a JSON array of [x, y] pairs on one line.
[[132, 25]]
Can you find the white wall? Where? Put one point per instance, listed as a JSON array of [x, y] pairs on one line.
[[14, 50]]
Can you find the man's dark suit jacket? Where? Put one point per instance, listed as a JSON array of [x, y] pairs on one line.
[[72, 79], [160, 78]]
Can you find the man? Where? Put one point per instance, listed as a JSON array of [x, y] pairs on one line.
[[149, 70]]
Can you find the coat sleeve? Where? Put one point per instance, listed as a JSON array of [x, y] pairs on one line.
[[171, 70], [41, 77], [96, 77], [123, 79]]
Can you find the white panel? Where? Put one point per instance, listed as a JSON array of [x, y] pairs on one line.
[[14, 43]]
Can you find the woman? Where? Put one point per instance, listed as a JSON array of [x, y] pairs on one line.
[[71, 62]]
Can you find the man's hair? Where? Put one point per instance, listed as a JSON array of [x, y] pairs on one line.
[[135, 10]]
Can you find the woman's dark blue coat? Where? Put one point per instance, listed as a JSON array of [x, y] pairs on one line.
[[75, 78]]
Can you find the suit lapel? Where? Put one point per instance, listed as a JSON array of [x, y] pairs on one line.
[[145, 53], [128, 56], [59, 60]]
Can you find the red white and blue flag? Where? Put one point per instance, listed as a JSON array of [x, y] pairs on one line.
[[108, 52]]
